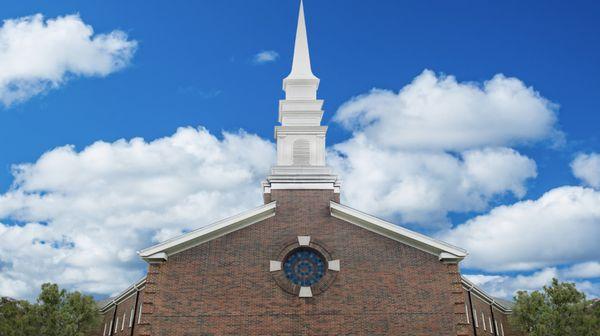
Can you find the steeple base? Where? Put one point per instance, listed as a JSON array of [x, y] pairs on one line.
[[301, 177]]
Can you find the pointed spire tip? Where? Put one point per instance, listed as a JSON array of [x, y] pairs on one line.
[[301, 67]]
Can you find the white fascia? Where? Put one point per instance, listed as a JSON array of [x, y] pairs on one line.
[[138, 285], [208, 233], [444, 251]]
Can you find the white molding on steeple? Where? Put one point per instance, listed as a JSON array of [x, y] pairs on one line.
[[301, 137]]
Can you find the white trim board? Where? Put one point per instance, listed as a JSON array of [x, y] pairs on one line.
[[208, 233], [126, 294], [480, 293], [444, 251]]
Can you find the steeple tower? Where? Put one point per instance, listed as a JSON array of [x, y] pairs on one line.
[[301, 138]]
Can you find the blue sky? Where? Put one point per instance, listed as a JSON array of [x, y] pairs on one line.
[[194, 65]]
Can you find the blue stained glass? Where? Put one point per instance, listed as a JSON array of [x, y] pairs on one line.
[[304, 267]]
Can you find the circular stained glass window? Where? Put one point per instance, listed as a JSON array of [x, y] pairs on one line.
[[304, 267]]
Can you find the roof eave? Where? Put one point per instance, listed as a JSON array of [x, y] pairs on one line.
[[218, 229], [444, 251], [467, 284], [124, 294]]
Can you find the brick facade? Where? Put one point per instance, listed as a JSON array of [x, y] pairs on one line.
[[490, 319], [224, 287]]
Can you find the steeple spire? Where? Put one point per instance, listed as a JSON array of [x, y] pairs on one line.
[[301, 84], [301, 65]]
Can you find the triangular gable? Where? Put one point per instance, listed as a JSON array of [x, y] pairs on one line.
[[444, 251], [161, 252]]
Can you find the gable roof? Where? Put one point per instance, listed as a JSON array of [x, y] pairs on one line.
[[218, 229], [444, 251]]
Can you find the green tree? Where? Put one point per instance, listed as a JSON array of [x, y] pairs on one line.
[[16, 318], [55, 313], [558, 310]]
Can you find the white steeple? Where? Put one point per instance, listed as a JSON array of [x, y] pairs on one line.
[[301, 82], [301, 64], [301, 138]]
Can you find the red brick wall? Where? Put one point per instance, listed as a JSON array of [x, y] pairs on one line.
[[123, 307], [224, 287], [106, 318], [483, 307]]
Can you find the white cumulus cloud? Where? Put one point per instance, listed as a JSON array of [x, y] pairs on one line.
[[266, 56], [438, 112], [561, 227], [586, 167], [421, 186], [440, 146], [82, 215], [38, 54]]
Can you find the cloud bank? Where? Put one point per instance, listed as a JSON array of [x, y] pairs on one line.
[[504, 286], [37, 55], [560, 227], [82, 215], [439, 146]]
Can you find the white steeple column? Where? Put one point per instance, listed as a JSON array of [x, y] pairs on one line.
[[301, 138]]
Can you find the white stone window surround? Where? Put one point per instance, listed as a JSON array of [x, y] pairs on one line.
[[131, 317], [304, 241], [140, 314], [483, 320]]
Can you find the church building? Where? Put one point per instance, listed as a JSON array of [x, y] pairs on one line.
[[303, 263]]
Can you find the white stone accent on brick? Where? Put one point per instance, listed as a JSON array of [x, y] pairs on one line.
[[305, 292], [304, 240]]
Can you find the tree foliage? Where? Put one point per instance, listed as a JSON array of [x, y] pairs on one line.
[[56, 313], [558, 310]]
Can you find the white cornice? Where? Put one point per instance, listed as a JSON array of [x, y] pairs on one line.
[[288, 130], [207, 233], [444, 251]]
